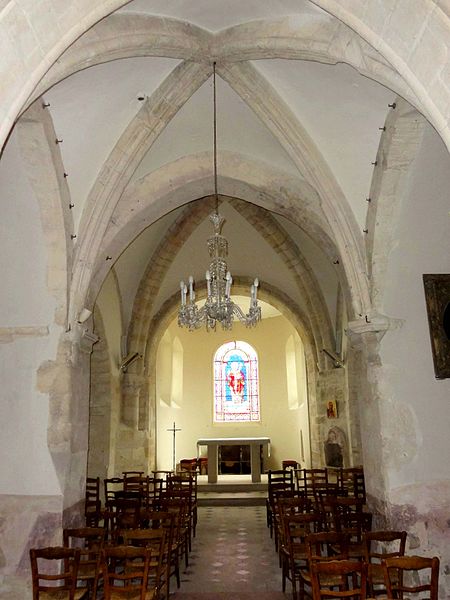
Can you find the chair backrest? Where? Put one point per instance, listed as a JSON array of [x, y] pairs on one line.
[[315, 480], [112, 485], [353, 483], [126, 571], [297, 528], [92, 501], [417, 575], [339, 579], [54, 569], [90, 542], [327, 545], [380, 545]]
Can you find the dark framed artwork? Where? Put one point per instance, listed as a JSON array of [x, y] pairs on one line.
[[437, 296]]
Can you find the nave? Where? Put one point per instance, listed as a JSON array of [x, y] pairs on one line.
[[232, 557]]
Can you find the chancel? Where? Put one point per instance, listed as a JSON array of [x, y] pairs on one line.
[[328, 158], [257, 447]]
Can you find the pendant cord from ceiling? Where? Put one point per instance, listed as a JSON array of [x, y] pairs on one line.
[[216, 196]]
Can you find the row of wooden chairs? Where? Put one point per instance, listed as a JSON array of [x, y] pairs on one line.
[[127, 572], [324, 527], [91, 563], [127, 518], [349, 579], [135, 492], [314, 485]]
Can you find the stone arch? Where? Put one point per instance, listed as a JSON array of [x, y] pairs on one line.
[[370, 23], [36, 135], [144, 403], [266, 225], [404, 128], [127, 35], [190, 178]]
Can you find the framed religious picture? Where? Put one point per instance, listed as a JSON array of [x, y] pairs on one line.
[[331, 409], [437, 296]]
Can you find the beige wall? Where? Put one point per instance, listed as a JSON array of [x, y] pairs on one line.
[[194, 410]]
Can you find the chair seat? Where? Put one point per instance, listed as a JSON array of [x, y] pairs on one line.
[[62, 594]]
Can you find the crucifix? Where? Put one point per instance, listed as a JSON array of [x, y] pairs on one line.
[[174, 431]]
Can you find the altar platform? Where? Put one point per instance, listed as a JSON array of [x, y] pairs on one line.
[[232, 490]]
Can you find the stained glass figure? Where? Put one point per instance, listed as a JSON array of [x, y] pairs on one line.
[[236, 396]]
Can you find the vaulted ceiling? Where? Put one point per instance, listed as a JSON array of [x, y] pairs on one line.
[[302, 102]]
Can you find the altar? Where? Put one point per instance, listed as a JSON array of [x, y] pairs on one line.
[[256, 445]]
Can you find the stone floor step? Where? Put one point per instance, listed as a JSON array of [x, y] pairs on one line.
[[232, 490], [231, 498]]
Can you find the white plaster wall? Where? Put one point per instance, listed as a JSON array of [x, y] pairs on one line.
[[23, 256], [416, 413], [195, 416], [27, 339]]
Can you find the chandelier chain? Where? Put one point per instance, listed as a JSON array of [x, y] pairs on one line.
[[218, 308]]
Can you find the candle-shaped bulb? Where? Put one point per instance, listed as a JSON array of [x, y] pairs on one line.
[[228, 285], [183, 297], [191, 288], [208, 282]]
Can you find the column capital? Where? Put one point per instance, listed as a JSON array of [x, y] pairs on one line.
[[372, 323]]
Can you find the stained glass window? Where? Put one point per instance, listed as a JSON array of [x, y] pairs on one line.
[[236, 383]]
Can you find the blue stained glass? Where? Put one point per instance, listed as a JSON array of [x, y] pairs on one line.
[[236, 382]]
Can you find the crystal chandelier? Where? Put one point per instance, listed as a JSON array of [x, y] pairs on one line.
[[218, 306]]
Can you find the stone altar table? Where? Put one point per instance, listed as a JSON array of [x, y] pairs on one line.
[[213, 444]]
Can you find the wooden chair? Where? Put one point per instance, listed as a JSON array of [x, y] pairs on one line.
[[411, 575], [125, 573], [294, 556], [314, 481], [92, 502], [167, 521], [112, 485], [49, 581], [356, 525], [339, 579], [122, 513], [281, 480], [324, 546], [378, 546], [90, 541], [187, 481], [353, 483], [156, 540]]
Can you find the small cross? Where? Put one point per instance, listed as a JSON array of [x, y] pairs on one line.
[[174, 431]]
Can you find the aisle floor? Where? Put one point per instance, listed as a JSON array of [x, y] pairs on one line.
[[232, 557]]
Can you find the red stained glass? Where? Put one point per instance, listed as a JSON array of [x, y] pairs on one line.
[[236, 384]]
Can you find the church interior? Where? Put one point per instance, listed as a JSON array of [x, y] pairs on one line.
[[332, 173]]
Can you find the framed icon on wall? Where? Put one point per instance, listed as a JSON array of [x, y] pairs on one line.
[[437, 297]]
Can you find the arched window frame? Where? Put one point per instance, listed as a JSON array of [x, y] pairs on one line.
[[236, 386]]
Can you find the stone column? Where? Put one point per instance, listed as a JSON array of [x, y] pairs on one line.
[[364, 339]]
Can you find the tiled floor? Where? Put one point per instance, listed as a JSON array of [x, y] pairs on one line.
[[232, 557]]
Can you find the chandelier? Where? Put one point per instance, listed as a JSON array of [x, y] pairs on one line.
[[218, 306]]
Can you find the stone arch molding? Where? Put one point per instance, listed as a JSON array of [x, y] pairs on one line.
[[371, 20], [190, 178], [276, 116], [315, 313], [128, 35]]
